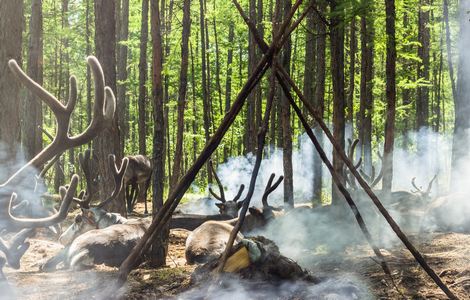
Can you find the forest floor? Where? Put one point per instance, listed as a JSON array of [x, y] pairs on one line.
[[447, 253]]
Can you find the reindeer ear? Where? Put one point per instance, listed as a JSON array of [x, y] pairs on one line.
[[255, 211], [240, 204], [221, 206]]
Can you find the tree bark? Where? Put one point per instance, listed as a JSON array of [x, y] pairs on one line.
[[205, 97], [319, 99], [422, 99], [143, 71], [108, 141], [364, 120], [160, 246], [11, 30], [337, 70], [183, 82], [461, 141], [352, 76], [391, 95], [123, 108], [228, 79], [32, 107]]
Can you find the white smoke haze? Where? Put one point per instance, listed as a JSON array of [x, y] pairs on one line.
[[230, 288]]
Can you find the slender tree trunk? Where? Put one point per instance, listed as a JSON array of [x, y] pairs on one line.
[[182, 92], [250, 123], [228, 79], [143, 71], [285, 120], [391, 95], [422, 99], [319, 98], [352, 76], [123, 108], [461, 142], [32, 107], [160, 247], [88, 52], [205, 97], [337, 70], [364, 120], [449, 49], [217, 66], [107, 141]]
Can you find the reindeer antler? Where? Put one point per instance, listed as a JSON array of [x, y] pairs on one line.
[[103, 112], [270, 188], [351, 150], [85, 163], [118, 174], [219, 184], [413, 183], [430, 184], [15, 249], [67, 197]]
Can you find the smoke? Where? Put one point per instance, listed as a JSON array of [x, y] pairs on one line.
[[342, 287]]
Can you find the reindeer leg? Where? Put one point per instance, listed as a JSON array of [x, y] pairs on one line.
[[129, 198], [51, 264], [135, 195]]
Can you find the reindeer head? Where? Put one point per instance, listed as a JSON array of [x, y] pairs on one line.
[[258, 218], [226, 207], [423, 195], [94, 217]]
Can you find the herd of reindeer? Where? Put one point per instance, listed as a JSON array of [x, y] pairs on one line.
[[97, 236]]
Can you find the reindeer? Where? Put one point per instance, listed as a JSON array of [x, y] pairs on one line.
[[103, 113], [103, 238], [137, 176], [209, 240], [226, 207], [95, 217]]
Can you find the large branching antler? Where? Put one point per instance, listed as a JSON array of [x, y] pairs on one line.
[[104, 108], [103, 113], [371, 179], [118, 175], [270, 188]]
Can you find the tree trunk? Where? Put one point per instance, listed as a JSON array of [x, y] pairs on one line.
[[319, 99], [364, 120], [391, 95], [205, 98], [461, 141], [337, 70], [123, 107], [32, 107], [352, 76], [108, 141], [160, 247], [144, 29], [285, 120], [422, 99], [11, 30], [250, 123], [183, 82], [88, 71], [228, 79]]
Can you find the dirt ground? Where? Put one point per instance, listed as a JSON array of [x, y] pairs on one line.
[[447, 253]]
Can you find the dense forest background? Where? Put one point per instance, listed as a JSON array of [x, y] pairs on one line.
[[176, 66]]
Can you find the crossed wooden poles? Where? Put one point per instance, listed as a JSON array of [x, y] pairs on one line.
[[269, 60]]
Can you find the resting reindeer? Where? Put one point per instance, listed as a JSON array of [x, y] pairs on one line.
[[137, 176], [103, 113], [209, 240], [90, 222]]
